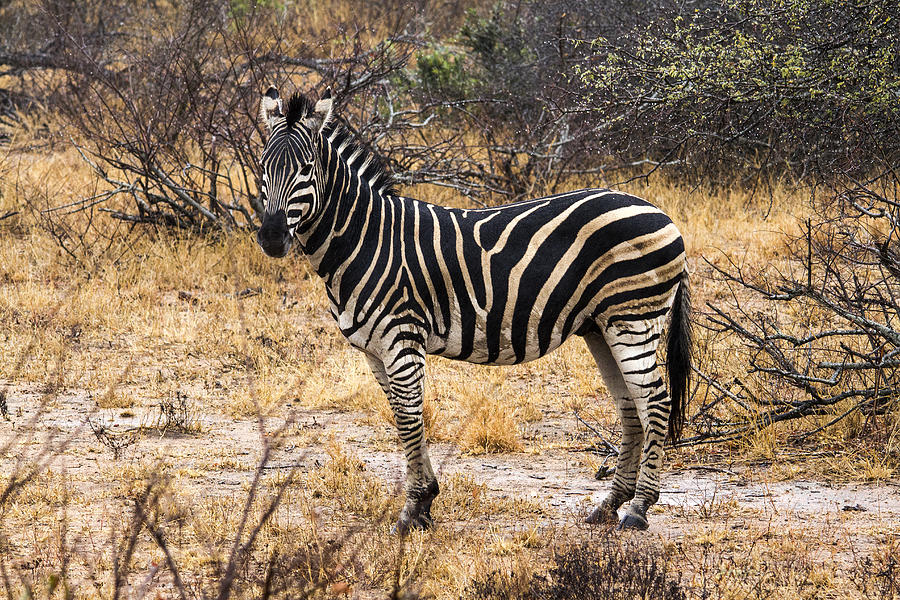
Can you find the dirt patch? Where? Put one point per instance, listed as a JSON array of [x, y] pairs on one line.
[[220, 459]]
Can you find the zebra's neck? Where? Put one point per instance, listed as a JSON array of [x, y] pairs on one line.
[[354, 190]]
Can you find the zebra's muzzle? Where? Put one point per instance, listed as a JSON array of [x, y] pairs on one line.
[[273, 236]]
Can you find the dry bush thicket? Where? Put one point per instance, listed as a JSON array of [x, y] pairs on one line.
[[820, 336], [163, 104], [746, 89], [749, 91]]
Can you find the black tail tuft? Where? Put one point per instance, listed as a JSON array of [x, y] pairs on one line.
[[678, 361]]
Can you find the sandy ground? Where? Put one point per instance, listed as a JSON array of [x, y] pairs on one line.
[[717, 496]]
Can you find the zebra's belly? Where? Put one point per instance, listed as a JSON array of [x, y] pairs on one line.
[[498, 349]]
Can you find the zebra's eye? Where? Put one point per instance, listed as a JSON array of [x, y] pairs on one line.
[[306, 169]]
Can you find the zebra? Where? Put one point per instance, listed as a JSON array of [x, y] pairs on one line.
[[498, 286]]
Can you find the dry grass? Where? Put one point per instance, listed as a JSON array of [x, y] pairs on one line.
[[490, 426]]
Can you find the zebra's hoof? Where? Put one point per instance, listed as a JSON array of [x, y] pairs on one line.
[[404, 525], [630, 521], [602, 516]]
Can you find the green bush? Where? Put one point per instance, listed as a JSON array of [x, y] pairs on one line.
[[439, 70], [803, 85]]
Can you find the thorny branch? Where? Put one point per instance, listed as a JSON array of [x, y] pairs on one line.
[[821, 340]]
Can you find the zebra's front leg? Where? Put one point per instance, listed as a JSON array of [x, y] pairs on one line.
[[402, 379]]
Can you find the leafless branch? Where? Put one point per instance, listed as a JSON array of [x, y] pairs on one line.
[[828, 328]]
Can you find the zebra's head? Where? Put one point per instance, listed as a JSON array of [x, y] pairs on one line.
[[289, 188]]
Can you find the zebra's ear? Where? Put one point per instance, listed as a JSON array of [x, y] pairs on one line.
[[270, 108], [323, 112]]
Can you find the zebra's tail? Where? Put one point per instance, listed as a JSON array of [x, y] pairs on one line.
[[678, 361]]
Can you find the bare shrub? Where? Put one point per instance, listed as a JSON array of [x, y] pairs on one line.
[[820, 338], [116, 441], [603, 569], [177, 413]]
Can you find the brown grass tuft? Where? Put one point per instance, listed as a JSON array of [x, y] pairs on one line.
[[489, 425]]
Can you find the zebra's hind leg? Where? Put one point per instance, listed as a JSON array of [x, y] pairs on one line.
[[402, 381], [625, 477], [634, 349]]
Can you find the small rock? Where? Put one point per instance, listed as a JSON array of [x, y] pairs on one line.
[[854, 508]]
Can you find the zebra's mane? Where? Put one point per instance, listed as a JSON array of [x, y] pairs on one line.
[[374, 168], [298, 107], [339, 134]]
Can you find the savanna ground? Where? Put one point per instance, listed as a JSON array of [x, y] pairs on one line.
[[160, 390]]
